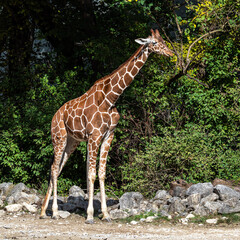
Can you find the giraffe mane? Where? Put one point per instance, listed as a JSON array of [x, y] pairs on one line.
[[133, 57]]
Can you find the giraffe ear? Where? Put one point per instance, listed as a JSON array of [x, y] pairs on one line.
[[142, 41]]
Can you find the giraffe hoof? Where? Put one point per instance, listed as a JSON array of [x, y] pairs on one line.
[[43, 217], [107, 219], [89, 221], [56, 217]]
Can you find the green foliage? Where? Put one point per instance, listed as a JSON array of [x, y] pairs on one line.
[[14, 162], [138, 217], [192, 154], [25, 143], [230, 218]]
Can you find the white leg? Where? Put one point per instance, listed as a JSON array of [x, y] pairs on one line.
[[90, 210], [102, 173], [93, 146], [60, 154], [87, 171], [103, 201], [55, 205]]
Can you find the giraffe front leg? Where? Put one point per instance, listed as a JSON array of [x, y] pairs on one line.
[[102, 173], [90, 209], [93, 146], [55, 205]]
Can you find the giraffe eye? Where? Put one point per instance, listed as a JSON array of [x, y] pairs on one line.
[[154, 42]]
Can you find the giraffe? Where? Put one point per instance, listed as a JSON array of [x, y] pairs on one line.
[[93, 117]]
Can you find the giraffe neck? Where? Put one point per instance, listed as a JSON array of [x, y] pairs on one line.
[[122, 77]]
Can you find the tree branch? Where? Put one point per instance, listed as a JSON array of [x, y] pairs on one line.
[[205, 35], [190, 61], [181, 41], [197, 80]]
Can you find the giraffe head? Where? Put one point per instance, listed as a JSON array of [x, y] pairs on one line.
[[156, 44]]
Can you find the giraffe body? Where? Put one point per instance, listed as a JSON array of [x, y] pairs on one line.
[[93, 117]]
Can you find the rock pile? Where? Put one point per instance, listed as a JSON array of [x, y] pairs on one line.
[[15, 198], [200, 199]]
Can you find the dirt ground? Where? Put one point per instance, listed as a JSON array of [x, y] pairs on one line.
[[31, 227]]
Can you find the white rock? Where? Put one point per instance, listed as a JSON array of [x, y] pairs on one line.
[[5, 188], [212, 221], [162, 195], [21, 197], [183, 221], [29, 207], [10, 200], [134, 211], [133, 222], [190, 215], [13, 208], [63, 214], [213, 207], [118, 214], [150, 219], [204, 189], [169, 217], [194, 199], [226, 192], [210, 198], [2, 213], [1, 202], [130, 200], [76, 191]]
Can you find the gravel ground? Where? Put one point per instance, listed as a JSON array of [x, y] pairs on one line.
[[31, 227]]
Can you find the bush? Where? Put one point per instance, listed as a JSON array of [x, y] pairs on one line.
[[25, 142], [191, 154]]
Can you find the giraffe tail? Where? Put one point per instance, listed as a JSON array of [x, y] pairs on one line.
[[50, 165]]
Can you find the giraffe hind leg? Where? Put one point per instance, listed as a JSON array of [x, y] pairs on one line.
[[54, 172], [60, 158], [68, 147], [93, 146], [102, 173], [46, 201], [48, 194]]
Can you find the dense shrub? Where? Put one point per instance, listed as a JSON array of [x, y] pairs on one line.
[[192, 154]]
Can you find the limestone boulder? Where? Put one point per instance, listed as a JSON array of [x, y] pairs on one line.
[[5, 188], [13, 208], [118, 214], [204, 189], [76, 191], [30, 208], [130, 200], [226, 192]]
